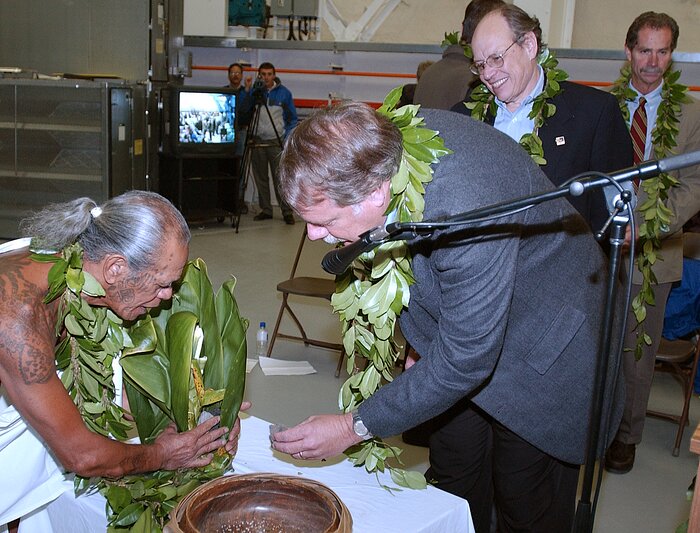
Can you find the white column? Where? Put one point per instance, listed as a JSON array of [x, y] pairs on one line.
[[556, 19]]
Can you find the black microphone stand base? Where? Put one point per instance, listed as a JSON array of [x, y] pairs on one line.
[[585, 512]]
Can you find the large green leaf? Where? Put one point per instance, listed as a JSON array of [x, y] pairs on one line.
[[143, 337], [150, 418], [195, 294], [151, 374], [233, 335], [159, 384], [180, 333]]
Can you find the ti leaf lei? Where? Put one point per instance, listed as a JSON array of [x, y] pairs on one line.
[[653, 212], [370, 296], [483, 102]]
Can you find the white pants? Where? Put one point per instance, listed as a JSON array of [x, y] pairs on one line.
[[34, 487], [68, 514], [29, 474]]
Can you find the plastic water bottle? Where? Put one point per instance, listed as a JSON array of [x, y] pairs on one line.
[[261, 344]]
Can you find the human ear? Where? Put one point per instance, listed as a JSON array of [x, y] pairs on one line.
[[114, 268], [530, 44], [379, 196]]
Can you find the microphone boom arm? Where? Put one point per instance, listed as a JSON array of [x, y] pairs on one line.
[[337, 261]]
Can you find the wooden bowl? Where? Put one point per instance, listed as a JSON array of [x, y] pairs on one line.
[[261, 503]]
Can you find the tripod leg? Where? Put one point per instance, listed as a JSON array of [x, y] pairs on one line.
[[245, 164]]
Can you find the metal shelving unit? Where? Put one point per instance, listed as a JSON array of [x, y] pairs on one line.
[[60, 140]]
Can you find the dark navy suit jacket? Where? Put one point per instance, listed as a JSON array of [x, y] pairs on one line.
[[586, 133]]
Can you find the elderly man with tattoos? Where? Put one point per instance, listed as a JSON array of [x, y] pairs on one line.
[[136, 246]]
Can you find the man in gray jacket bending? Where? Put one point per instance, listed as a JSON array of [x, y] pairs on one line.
[[506, 313]]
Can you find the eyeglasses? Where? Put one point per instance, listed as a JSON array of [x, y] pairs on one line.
[[493, 61]]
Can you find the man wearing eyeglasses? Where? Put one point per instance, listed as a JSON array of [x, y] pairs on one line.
[[586, 131]]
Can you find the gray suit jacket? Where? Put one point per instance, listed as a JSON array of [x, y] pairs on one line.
[[507, 313]]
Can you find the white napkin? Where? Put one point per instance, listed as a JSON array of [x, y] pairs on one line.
[[280, 367], [250, 364]]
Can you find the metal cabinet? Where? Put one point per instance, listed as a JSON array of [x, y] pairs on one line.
[[62, 139]]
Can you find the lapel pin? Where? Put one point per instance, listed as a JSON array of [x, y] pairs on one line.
[[560, 140]]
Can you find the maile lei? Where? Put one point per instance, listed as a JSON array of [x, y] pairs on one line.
[[653, 213], [483, 103], [94, 338], [370, 296]]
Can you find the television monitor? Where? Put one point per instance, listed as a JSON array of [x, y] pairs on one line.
[[202, 121]]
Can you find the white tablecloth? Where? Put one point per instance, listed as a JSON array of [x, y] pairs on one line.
[[372, 507]]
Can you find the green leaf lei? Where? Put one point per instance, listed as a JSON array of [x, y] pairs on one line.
[[94, 338], [654, 214], [453, 38], [370, 296], [483, 102]]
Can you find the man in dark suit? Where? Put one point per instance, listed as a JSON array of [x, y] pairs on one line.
[[506, 314], [586, 132]]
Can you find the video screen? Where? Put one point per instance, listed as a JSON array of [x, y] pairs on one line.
[[206, 117]]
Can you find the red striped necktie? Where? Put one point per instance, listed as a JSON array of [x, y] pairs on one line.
[[638, 130]]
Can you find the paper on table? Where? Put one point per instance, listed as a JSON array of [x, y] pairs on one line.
[[250, 364], [279, 367]]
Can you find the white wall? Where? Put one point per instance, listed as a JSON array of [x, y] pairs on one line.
[[602, 24], [598, 24]]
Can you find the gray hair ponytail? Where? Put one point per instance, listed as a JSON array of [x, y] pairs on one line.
[[134, 224]]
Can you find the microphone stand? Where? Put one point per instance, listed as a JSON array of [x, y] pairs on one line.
[[337, 261], [585, 513]]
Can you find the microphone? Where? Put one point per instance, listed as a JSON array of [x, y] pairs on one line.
[[337, 261]]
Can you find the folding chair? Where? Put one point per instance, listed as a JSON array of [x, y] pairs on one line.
[[311, 287], [680, 358]]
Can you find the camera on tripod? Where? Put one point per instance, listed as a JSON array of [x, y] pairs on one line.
[[258, 90]]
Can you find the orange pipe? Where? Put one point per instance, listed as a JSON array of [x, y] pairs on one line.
[[317, 102], [332, 72], [693, 88]]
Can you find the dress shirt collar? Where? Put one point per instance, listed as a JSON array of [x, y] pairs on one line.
[[653, 100], [654, 97]]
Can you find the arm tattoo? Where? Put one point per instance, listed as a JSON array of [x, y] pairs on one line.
[[24, 325], [35, 367]]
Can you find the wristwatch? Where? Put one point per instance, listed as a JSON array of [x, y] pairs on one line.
[[358, 426]]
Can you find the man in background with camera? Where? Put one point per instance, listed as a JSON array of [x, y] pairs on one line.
[[274, 116]]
